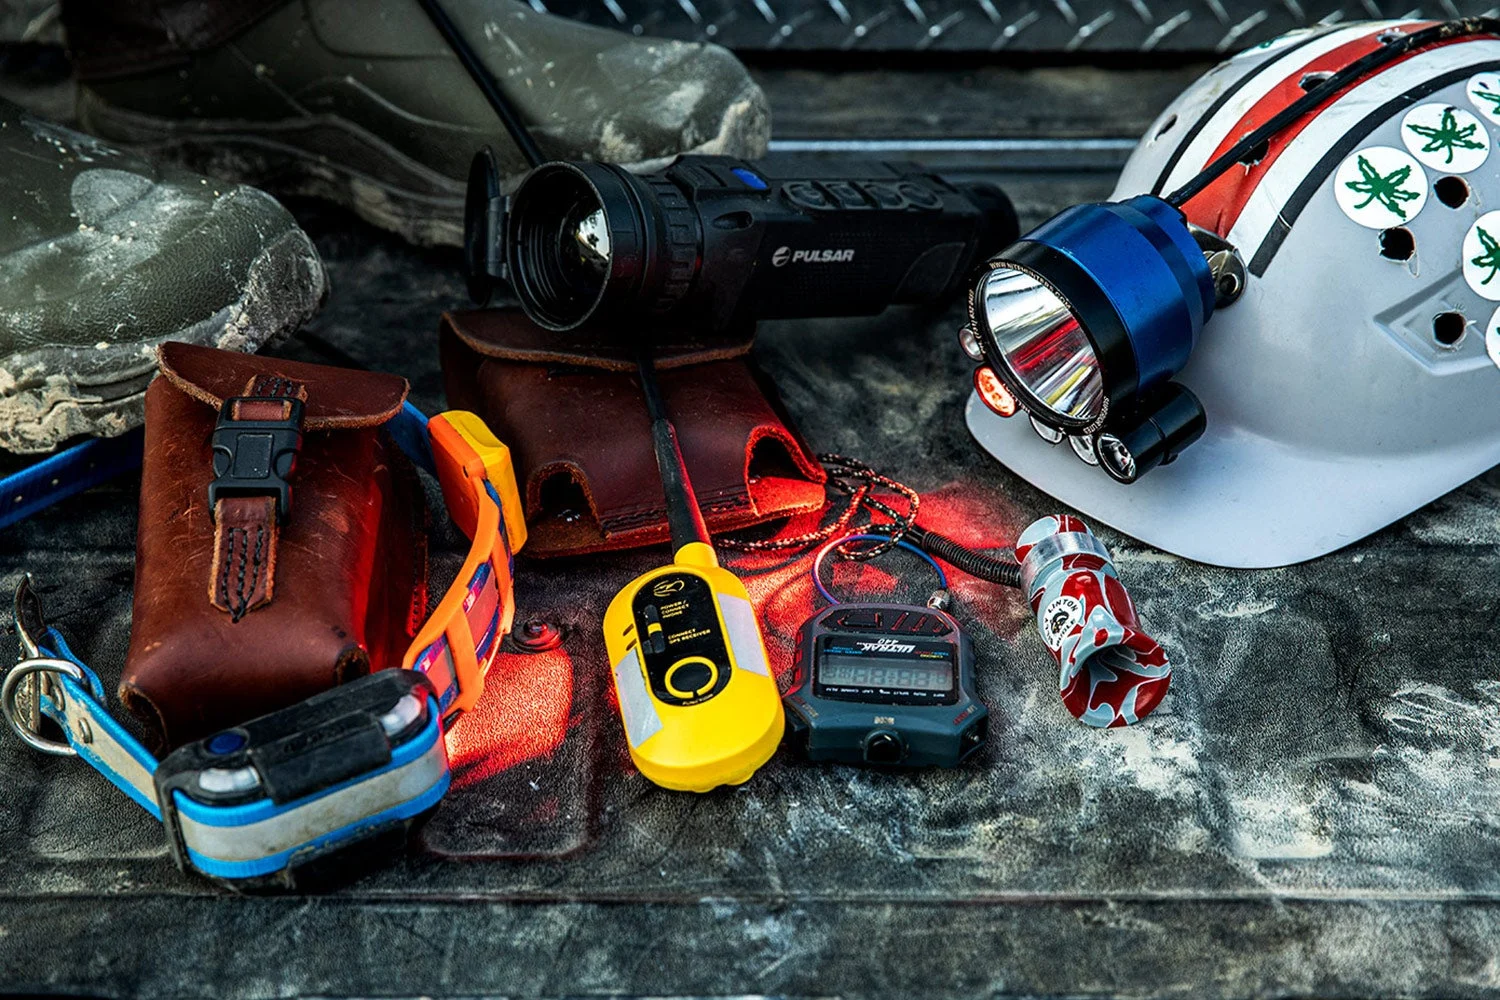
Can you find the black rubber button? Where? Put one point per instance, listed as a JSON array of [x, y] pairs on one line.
[[807, 195], [920, 196], [692, 677], [884, 195], [860, 619], [846, 194], [884, 748]]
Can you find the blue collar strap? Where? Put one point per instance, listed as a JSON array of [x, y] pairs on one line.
[[229, 811], [70, 471], [251, 806]]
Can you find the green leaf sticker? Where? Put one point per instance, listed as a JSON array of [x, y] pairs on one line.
[[1484, 93], [1380, 187], [1492, 338], [1445, 138], [1481, 256]]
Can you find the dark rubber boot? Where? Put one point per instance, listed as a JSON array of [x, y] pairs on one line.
[[103, 256], [362, 102]]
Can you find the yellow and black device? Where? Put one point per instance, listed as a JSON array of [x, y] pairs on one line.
[[700, 705]]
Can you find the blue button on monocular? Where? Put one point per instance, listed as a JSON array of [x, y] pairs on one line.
[[751, 178]]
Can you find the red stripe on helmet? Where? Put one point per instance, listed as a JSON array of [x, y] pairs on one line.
[[1218, 206]]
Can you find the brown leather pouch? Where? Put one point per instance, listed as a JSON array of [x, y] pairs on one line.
[[240, 608], [572, 412]]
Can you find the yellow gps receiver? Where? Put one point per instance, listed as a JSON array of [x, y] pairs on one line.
[[700, 706]]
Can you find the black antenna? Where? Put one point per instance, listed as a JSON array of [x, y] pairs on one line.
[[684, 518], [509, 116]]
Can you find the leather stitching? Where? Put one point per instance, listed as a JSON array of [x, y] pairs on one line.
[[252, 568]]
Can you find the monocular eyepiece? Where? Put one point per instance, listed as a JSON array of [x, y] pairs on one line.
[[484, 215]]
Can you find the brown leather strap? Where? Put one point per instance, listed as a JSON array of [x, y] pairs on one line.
[[243, 574]]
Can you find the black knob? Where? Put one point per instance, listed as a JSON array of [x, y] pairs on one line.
[[884, 748]]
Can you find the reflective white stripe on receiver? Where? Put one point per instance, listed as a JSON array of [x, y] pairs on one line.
[[744, 635], [1303, 153], [641, 719], [1265, 79], [295, 827]]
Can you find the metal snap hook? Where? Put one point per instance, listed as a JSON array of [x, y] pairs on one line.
[[21, 671]]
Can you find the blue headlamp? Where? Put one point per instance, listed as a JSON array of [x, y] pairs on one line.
[[1085, 320]]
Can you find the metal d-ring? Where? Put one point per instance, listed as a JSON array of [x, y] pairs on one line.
[[13, 679]]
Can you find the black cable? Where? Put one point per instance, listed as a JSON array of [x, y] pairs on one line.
[[509, 116], [1396, 46], [1001, 568]]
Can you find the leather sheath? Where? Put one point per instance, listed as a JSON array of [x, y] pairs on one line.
[[337, 587], [573, 414]]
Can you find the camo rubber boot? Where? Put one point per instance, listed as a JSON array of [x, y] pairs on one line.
[[103, 256], [362, 102]]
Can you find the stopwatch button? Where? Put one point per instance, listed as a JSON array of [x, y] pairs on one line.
[[884, 748], [860, 619], [690, 677]]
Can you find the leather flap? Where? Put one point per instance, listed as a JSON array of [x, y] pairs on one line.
[[336, 397], [507, 334]]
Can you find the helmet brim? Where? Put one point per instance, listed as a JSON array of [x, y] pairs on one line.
[[1236, 499]]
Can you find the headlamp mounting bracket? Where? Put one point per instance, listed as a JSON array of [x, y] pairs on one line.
[[1224, 261]]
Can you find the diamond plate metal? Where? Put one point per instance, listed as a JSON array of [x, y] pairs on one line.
[[1203, 26]]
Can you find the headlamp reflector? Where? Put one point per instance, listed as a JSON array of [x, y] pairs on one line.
[[1041, 346]]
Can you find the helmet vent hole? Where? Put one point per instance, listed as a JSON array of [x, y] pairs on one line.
[[1256, 153], [1166, 127], [1448, 328], [1397, 243], [1451, 191], [1311, 80]]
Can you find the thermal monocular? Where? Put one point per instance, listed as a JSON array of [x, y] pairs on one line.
[[717, 242]]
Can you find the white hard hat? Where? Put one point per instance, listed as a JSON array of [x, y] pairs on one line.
[[1354, 378]]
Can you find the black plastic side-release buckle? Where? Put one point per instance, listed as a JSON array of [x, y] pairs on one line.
[[255, 457]]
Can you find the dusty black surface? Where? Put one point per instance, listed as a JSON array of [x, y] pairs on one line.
[[1314, 812]]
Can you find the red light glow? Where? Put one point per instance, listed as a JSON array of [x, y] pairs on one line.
[[523, 714], [993, 392]]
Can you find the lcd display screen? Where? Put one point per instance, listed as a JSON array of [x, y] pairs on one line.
[[844, 670]]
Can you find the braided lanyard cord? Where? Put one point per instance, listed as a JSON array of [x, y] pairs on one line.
[[859, 482]]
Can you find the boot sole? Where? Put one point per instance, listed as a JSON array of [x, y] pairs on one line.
[[400, 195], [50, 395]]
